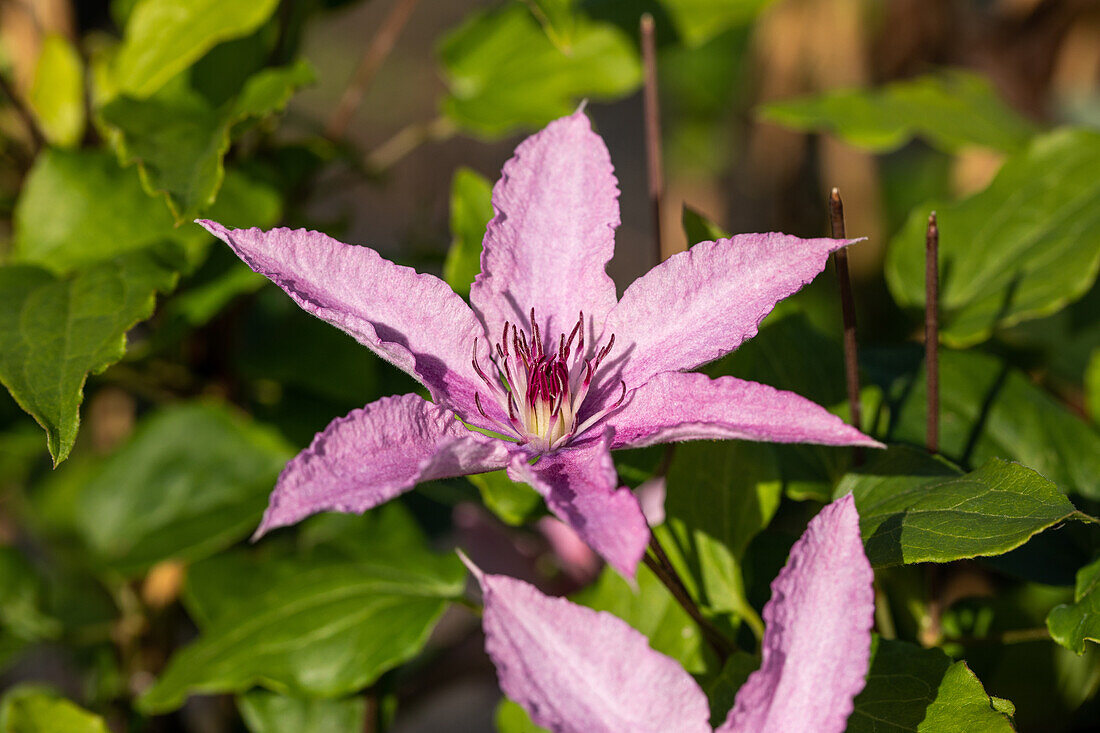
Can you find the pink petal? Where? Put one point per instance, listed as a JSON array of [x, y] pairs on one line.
[[576, 670], [414, 321], [554, 232], [674, 406], [579, 485], [375, 453], [818, 640], [699, 305]]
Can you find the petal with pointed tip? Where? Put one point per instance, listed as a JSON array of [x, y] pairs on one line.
[[412, 320], [818, 640], [579, 485], [375, 453], [576, 670], [699, 305], [675, 406], [553, 234]]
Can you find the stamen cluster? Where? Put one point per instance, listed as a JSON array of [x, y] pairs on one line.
[[542, 391]]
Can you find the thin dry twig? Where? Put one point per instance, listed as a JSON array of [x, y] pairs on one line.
[[379, 48]]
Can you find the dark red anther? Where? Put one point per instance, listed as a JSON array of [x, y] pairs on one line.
[[606, 350], [477, 367], [477, 401], [622, 395]]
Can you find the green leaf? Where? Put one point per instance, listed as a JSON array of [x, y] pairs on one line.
[[914, 689], [36, 709], [951, 111], [57, 93], [1023, 248], [178, 139], [719, 496], [504, 74], [915, 508], [79, 207], [988, 410], [194, 479], [363, 606], [471, 210], [22, 619], [653, 611], [697, 21], [266, 712], [698, 228], [1071, 625], [512, 502], [722, 688], [1092, 386], [558, 20], [54, 331], [164, 37], [511, 718]]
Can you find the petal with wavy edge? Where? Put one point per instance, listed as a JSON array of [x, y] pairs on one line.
[[412, 320], [579, 485], [674, 406], [576, 670], [699, 305], [818, 640], [553, 234], [375, 453]]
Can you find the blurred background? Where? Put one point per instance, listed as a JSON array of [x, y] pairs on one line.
[[383, 122]]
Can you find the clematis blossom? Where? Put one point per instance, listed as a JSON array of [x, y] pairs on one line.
[[576, 670], [548, 371]]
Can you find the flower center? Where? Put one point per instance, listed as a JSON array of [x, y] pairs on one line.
[[542, 392]]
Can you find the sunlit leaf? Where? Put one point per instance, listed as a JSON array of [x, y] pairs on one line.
[[1024, 247], [558, 20], [700, 20], [164, 37], [951, 111], [54, 331], [504, 74], [914, 508], [178, 139], [77, 208], [35, 709], [471, 210], [57, 93], [512, 502], [266, 712], [914, 689]]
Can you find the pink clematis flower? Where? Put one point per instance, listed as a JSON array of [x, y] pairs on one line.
[[576, 670], [548, 364]]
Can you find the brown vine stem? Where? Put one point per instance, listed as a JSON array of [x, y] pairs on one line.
[[654, 156], [662, 567], [848, 312], [379, 48], [932, 330], [38, 140]]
